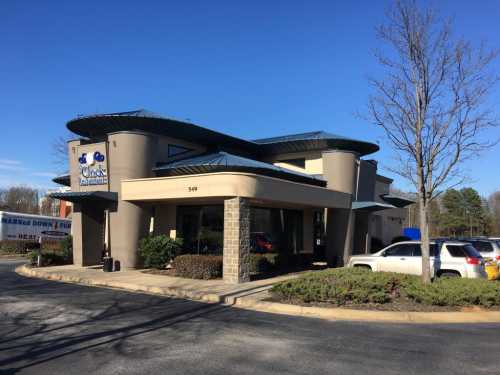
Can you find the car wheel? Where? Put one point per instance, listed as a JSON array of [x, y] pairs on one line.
[[449, 274], [368, 268]]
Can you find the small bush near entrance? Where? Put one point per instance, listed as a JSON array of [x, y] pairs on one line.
[[157, 251], [198, 266], [344, 286], [262, 263], [17, 247]]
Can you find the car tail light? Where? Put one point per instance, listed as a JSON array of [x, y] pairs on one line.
[[471, 260], [497, 257]]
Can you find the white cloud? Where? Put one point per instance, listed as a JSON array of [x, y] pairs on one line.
[[44, 174], [11, 165], [10, 162]]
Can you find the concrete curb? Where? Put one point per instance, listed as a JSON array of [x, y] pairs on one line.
[[254, 300], [336, 314], [171, 292]]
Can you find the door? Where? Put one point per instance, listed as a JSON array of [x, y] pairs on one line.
[[414, 263], [395, 258]]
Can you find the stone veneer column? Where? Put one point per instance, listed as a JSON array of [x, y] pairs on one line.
[[236, 251]]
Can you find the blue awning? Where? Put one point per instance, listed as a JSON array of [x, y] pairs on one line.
[[370, 206], [82, 196]]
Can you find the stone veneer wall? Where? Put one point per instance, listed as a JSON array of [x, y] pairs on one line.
[[236, 241]]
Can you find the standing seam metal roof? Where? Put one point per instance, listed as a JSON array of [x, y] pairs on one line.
[[223, 161], [142, 120]]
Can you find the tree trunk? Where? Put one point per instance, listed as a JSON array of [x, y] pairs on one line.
[[425, 246]]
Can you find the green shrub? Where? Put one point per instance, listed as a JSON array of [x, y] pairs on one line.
[[456, 292], [259, 263], [66, 247], [157, 251], [17, 247], [33, 257], [198, 266], [343, 286]]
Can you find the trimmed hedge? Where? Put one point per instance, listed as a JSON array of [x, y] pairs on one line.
[[198, 266], [17, 247], [343, 286]]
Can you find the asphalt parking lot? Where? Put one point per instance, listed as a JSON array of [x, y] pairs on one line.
[[55, 328]]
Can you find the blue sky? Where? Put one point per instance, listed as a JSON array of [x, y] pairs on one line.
[[252, 69]]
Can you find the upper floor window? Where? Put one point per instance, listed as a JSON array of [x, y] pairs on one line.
[[300, 162], [174, 150]]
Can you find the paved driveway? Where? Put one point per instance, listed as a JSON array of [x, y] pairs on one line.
[[55, 328]]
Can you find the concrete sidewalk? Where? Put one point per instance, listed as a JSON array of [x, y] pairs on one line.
[[214, 291]]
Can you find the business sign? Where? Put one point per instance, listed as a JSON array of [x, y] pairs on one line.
[[22, 227], [93, 168]]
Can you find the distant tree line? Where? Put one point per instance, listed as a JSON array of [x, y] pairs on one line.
[[459, 213], [25, 199]]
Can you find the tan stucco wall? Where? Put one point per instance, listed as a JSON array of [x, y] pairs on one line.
[[131, 155], [313, 162], [232, 184]]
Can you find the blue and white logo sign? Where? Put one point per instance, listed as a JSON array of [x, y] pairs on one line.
[[91, 158], [92, 169]]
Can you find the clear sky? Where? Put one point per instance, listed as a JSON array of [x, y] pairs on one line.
[[252, 69]]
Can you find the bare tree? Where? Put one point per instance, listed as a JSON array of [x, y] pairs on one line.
[[60, 151], [21, 199], [494, 205], [430, 103]]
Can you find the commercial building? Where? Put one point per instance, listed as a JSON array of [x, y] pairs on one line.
[[133, 173]]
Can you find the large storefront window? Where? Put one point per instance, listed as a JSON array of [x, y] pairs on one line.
[[274, 230], [201, 228]]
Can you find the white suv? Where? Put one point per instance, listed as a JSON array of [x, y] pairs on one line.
[[454, 259]]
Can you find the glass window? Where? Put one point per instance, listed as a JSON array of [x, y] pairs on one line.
[[275, 230], [417, 250], [399, 250], [462, 251], [301, 162], [201, 228], [174, 150], [482, 246]]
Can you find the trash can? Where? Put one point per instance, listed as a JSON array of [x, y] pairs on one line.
[[108, 264]]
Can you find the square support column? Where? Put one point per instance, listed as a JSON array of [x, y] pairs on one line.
[[236, 253]]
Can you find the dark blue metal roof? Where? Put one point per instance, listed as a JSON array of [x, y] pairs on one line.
[[223, 161], [99, 124], [298, 137], [370, 206], [78, 196], [317, 140]]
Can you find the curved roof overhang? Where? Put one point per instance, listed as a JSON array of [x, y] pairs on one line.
[[397, 200], [62, 180], [318, 140], [100, 124]]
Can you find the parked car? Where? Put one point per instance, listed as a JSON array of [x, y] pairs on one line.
[[261, 242], [488, 248], [454, 259]]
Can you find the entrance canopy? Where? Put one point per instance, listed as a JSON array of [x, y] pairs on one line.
[[233, 184], [77, 197]]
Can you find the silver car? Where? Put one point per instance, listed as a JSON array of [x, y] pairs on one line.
[[448, 258]]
